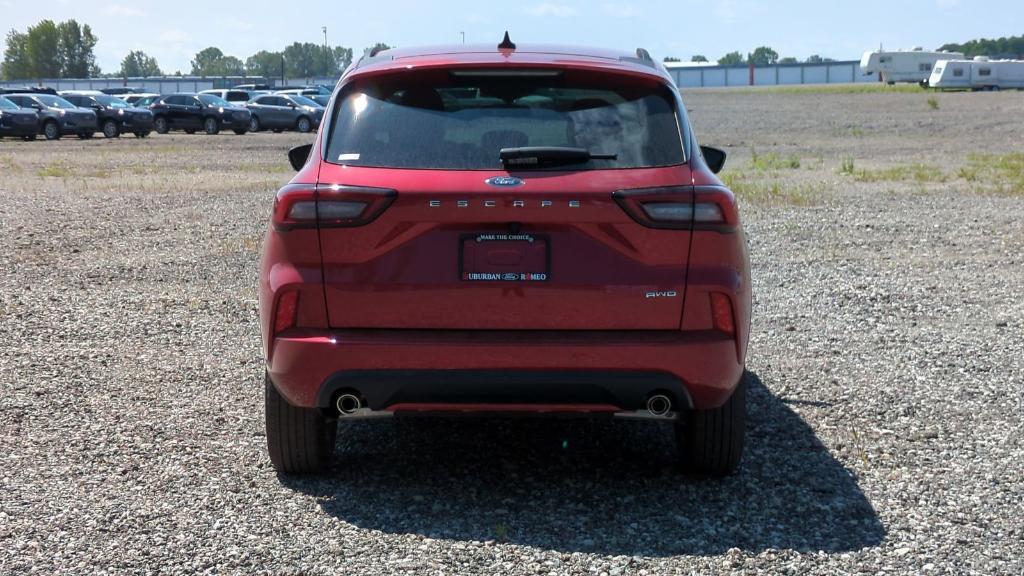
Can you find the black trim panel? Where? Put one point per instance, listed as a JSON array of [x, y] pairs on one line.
[[383, 388]]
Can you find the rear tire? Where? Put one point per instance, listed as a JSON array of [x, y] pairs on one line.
[[254, 124], [160, 125], [304, 125], [711, 441], [211, 126], [299, 440]]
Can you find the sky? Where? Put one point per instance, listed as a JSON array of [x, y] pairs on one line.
[[173, 32]]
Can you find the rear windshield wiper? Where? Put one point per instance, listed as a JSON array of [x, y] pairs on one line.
[[536, 156]]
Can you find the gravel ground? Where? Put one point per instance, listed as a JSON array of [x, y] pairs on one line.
[[886, 376]]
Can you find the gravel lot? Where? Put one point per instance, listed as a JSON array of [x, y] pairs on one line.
[[886, 371]]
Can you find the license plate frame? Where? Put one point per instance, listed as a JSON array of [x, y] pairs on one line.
[[528, 273]]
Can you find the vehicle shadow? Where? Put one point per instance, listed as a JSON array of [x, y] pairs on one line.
[[596, 486]]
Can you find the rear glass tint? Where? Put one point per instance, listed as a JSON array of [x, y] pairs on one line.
[[462, 120]]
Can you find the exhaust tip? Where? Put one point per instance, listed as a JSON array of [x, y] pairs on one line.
[[659, 405], [348, 404]]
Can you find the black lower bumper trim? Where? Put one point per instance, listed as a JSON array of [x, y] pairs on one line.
[[383, 388]]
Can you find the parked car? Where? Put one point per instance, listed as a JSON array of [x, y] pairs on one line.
[[16, 122], [28, 90], [313, 94], [279, 112], [118, 91], [236, 97], [194, 112], [57, 116], [133, 99], [251, 87], [114, 115], [530, 255], [146, 101]]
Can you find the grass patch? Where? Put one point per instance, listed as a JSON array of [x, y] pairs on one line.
[[55, 170], [933, 102], [772, 192], [916, 172], [846, 167], [1002, 174], [773, 161]]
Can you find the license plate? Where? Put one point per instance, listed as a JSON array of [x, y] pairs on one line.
[[504, 258]]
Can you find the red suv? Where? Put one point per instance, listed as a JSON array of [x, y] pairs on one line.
[[500, 229]]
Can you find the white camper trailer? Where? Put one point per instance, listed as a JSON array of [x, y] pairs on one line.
[[978, 74], [904, 65]]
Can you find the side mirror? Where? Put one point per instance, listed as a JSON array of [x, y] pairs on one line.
[[297, 156], [714, 157]]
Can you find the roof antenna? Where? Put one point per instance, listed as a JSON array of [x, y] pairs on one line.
[[507, 43]]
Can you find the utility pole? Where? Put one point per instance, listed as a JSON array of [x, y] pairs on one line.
[[327, 54], [463, 37]]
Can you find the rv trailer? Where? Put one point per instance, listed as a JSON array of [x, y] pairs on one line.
[[978, 74], [904, 65]]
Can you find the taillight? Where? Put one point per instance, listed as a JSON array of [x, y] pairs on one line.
[[328, 206], [286, 312], [680, 207], [721, 313]]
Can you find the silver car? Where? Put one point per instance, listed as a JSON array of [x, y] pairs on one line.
[[279, 112]]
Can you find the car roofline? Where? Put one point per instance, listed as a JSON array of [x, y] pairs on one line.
[[639, 63]]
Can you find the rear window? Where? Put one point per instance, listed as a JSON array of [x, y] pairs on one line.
[[460, 120]]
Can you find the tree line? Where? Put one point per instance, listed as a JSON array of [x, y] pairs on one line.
[[761, 56], [66, 50], [1008, 47]]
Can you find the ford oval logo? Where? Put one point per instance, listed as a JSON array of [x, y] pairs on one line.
[[508, 276], [505, 181]]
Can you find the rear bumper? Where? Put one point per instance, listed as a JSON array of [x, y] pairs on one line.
[[614, 368]]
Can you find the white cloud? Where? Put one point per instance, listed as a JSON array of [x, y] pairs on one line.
[[946, 4], [123, 10], [555, 10], [619, 10]]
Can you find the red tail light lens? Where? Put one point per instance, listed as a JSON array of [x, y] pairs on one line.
[[680, 207], [328, 206], [721, 313], [287, 311]]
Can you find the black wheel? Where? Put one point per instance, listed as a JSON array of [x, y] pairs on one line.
[[239, 131], [299, 440], [141, 134], [304, 125], [111, 129], [85, 135], [254, 124], [711, 441], [160, 125], [51, 130], [211, 126]]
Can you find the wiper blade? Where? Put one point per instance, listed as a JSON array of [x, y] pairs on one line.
[[535, 156]]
